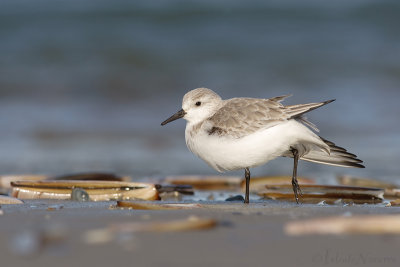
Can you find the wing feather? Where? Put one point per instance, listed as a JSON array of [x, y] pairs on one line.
[[298, 110], [239, 117]]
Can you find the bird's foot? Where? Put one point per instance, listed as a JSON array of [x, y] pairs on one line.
[[296, 190]]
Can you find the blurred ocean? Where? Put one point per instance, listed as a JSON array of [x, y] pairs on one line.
[[85, 84]]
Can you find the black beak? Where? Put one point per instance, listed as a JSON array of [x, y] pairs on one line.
[[176, 116]]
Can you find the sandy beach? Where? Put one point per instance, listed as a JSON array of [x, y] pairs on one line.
[[244, 235]]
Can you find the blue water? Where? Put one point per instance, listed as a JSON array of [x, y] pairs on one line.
[[84, 85]]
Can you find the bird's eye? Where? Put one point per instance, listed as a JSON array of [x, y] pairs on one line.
[[198, 103]]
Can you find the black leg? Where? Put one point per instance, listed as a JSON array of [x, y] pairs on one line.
[[247, 176], [295, 184]]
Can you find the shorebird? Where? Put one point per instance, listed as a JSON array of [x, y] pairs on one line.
[[241, 133]]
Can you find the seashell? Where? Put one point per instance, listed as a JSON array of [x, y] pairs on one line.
[[97, 190], [392, 193], [258, 183], [5, 180], [156, 206], [182, 189], [328, 193], [338, 225], [170, 196], [189, 224], [10, 200], [395, 202], [108, 234], [92, 176], [364, 182]]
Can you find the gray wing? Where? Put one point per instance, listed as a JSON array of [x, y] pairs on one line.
[[242, 116]]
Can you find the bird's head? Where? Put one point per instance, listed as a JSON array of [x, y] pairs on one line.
[[197, 105]]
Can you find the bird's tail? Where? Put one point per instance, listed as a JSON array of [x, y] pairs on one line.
[[338, 156]]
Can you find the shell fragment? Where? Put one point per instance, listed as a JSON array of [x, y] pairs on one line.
[[97, 190]]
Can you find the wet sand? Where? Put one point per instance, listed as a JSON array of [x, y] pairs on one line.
[[250, 235]]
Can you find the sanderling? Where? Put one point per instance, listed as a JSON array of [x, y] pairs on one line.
[[241, 133]]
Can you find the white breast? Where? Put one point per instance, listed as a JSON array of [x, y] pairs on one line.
[[225, 153]]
